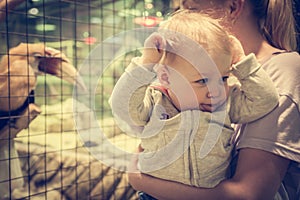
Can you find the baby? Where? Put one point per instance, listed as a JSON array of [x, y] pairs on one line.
[[177, 98]]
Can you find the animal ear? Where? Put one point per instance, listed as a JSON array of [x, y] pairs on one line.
[[163, 74]]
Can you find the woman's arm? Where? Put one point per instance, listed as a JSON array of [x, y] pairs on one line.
[[258, 176]]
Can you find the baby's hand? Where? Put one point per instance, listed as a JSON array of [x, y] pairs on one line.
[[154, 48], [237, 50]]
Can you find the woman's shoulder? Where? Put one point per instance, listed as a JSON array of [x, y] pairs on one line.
[[284, 70], [283, 64], [284, 60]]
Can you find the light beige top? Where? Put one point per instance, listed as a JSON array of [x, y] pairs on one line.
[[279, 131]]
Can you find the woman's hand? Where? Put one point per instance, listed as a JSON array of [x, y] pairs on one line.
[[134, 175]]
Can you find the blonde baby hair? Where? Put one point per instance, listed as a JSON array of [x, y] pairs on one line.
[[200, 28]]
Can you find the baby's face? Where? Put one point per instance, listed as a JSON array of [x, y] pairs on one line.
[[205, 88]]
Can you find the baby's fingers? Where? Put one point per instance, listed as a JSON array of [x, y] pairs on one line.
[[155, 40], [237, 50], [153, 49]]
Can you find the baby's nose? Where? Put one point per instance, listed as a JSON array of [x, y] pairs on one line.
[[213, 92], [216, 92]]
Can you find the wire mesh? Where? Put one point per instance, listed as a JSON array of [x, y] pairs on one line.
[[42, 156]]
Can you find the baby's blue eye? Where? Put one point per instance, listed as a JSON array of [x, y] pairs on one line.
[[225, 78], [202, 81]]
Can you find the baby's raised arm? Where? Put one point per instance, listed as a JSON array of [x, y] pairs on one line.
[[129, 101], [257, 95]]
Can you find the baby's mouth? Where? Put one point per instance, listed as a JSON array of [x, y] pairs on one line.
[[210, 107], [206, 107]]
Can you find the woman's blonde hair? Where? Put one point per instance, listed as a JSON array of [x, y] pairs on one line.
[[201, 28], [276, 22]]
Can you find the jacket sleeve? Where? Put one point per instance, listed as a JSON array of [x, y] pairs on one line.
[[256, 95], [130, 104]]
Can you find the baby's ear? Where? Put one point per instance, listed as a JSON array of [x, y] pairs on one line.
[[162, 74]]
